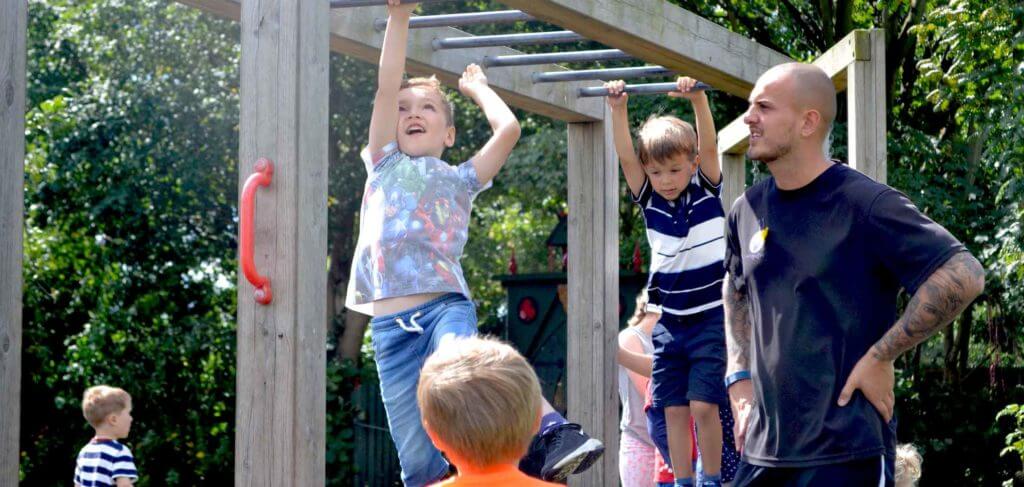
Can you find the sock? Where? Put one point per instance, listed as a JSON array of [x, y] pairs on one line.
[[550, 420], [711, 480], [687, 482]]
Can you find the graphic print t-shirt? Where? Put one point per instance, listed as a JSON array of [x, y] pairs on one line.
[[413, 226]]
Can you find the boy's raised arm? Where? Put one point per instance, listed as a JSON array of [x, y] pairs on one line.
[[707, 148], [384, 120], [504, 126], [631, 167]]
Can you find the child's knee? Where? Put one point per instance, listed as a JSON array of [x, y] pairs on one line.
[[676, 415], [704, 412]]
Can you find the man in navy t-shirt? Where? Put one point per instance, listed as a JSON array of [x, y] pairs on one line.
[[816, 255]]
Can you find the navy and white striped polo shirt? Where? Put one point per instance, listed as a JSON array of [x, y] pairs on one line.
[[687, 246], [102, 461]]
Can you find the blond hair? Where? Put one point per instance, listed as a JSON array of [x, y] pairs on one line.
[[908, 465], [101, 401], [662, 138], [640, 311], [432, 83], [482, 399]]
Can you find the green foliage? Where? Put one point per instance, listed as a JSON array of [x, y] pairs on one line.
[[129, 245], [1014, 441], [342, 378], [974, 73]]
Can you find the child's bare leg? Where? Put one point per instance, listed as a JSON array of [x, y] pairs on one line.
[[677, 422], [709, 435], [545, 407]]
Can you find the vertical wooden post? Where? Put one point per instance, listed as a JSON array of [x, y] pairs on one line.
[[12, 181], [281, 410], [865, 99], [594, 293], [734, 178]]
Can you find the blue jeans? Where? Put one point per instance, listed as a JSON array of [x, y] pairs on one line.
[[401, 344]]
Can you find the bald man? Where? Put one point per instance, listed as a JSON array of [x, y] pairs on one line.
[[815, 257]]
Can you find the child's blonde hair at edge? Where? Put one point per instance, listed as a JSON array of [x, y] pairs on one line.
[[908, 465], [482, 399], [101, 401], [433, 84], [640, 312], [662, 138]]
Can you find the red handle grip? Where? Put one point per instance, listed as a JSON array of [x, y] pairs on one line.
[[262, 177]]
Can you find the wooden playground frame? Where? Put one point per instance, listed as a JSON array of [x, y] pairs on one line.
[[280, 411]]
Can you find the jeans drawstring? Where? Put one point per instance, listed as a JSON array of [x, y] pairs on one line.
[[412, 327]]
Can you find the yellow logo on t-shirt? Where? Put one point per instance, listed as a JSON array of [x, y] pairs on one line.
[[757, 241]]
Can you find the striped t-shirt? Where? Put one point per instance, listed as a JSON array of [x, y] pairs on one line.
[[102, 461], [687, 246]]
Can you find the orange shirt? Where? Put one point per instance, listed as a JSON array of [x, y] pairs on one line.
[[500, 476]]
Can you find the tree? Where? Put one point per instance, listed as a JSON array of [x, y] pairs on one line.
[[129, 270]]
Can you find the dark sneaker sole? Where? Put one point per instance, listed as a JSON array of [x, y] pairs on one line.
[[578, 461]]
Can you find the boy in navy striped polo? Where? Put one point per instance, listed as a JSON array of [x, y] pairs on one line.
[[676, 182], [103, 461]]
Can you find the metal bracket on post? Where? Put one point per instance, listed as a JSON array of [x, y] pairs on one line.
[[263, 176]]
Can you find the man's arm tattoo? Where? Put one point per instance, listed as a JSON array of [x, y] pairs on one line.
[[737, 326], [942, 297]]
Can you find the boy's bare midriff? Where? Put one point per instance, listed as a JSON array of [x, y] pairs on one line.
[[389, 306]]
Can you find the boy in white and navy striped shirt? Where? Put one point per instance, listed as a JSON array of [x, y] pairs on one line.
[[103, 461], [676, 182]]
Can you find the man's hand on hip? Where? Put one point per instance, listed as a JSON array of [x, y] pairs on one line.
[[875, 379]]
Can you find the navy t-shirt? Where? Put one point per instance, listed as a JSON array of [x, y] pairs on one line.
[[822, 266]]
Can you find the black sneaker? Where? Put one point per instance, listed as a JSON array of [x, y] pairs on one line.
[[562, 451]]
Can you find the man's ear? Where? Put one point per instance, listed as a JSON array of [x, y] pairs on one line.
[[810, 123], [449, 137]]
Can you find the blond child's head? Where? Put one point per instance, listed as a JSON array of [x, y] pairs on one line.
[[644, 310], [908, 465], [108, 410], [667, 149], [480, 401], [426, 120]]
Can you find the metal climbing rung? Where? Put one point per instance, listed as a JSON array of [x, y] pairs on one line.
[[456, 20], [532, 38], [601, 74], [373, 3], [555, 57], [640, 89]]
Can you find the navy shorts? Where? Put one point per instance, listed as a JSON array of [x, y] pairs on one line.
[[689, 359], [870, 471]]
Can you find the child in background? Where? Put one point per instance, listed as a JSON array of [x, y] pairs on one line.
[[676, 180], [413, 225], [481, 405], [104, 462], [641, 364], [908, 465], [636, 450]]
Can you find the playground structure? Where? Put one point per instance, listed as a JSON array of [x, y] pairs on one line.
[[280, 410]]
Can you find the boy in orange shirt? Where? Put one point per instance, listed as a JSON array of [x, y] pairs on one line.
[[481, 405]]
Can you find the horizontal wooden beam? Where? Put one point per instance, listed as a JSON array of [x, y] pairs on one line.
[[856, 46], [663, 34], [352, 34]]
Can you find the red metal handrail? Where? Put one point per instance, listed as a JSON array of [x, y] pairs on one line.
[[262, 177]]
